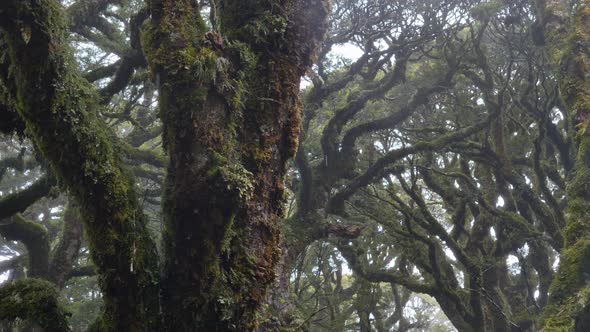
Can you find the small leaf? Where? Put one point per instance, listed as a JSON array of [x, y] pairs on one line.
[[25, 31]]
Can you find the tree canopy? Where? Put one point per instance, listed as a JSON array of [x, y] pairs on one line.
[[163, 167]]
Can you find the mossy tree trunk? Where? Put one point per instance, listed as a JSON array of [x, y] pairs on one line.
[[61, 120], [567, 39], [231, 114]]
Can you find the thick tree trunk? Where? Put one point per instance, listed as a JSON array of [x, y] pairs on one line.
[[568, 41], [229, 104], [59, 109]]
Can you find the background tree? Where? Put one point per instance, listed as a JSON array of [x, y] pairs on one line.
[[227, 135], [462, 163]]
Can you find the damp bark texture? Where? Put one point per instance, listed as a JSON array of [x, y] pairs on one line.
[[567, 38], [61, 120], [231, 114]]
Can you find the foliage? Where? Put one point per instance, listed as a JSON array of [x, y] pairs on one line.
[[440, 178]]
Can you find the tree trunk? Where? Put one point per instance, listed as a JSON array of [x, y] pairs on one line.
[[568, 41], [61, 120], [231, 114]]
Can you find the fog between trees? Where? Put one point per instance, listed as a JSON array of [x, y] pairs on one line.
[[163, 168]]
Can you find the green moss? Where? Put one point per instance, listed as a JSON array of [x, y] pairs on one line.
[[36, 300], [229, 109], [486, 10], [569, 292], [202, 95], [563, 316], [62, 121], [574, 268], [237, 180], [173, 44], [239, 19]]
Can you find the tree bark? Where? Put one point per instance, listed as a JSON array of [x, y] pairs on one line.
[[34, 237], [231, 114], [567, 39], [66, 251], [61, 120]]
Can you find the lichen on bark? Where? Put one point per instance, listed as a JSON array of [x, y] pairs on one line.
[[62, 121], [569, 41], [230, 109]]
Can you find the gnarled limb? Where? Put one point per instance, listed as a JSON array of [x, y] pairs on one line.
[[21, 200]]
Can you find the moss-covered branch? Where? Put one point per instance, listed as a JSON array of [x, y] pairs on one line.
[[34, 236], [420, 98], [82, 271], [356, 103], [85, 19], [137, 156], [35, 300], [21, 200], [335, 204]]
